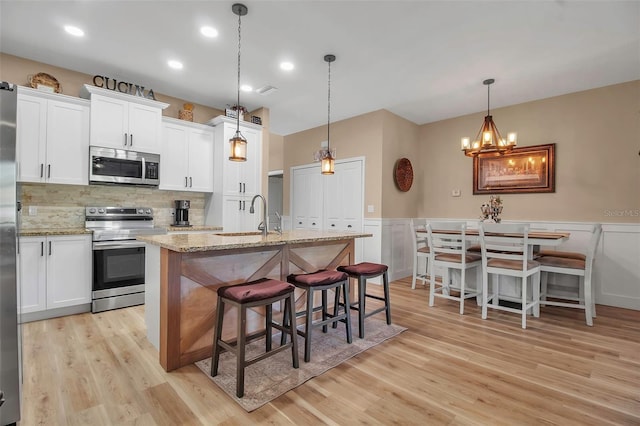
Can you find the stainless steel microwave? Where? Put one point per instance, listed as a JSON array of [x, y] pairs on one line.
[[119, 166]]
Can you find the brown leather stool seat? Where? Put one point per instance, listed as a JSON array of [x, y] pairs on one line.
[[262, 292], [322, 281], [362, 272]]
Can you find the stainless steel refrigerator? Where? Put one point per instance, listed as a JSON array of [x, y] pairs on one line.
[[9, 331]]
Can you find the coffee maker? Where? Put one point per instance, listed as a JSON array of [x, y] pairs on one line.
[[182, 212]]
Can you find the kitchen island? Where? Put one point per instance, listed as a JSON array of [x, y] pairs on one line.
[[184, 271]]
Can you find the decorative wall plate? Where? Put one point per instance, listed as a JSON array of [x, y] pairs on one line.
[[403, 174]]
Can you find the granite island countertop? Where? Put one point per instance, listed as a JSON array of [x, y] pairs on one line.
[[225, 241]]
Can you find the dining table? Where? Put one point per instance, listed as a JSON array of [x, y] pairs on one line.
[[536, 238]]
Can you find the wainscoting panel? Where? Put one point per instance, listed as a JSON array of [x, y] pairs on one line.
[[616, 275]]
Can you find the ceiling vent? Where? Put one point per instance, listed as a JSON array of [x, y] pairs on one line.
[[266, 90]]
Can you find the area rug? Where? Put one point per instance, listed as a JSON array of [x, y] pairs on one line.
[[274, 376]]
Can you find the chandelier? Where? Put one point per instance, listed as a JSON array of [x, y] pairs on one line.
[[326, 155], [238, 151], [488, 140]]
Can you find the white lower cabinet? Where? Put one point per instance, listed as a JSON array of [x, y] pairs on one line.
[[54, 272]]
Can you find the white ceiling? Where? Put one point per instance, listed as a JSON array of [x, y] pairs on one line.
[[422, 60]]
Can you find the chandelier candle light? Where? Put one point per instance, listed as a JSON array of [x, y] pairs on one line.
[[238, 143], [488, 140]]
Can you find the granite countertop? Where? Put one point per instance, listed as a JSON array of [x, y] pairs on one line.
[[207, 242], [173, 228], [36, 232]]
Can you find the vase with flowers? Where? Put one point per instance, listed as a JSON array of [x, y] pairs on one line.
[[492, 210]]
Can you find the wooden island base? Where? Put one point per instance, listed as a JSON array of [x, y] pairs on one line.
[[181, 311]]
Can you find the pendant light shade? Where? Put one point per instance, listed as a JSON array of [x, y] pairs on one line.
[[238, 144], [488, 140], [327, 165]]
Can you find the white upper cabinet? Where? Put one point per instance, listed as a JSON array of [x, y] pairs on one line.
[[124, 121], [235, 183], [186, 157], [52, 138], [237, 177]]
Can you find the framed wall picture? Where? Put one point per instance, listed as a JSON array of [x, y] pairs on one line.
[[526, 169]]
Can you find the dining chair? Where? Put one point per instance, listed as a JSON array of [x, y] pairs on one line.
[[576, 264], [420, 251], [505, 251], [448, 250]]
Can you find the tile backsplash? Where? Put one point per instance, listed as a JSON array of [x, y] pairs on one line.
[[62, 206]]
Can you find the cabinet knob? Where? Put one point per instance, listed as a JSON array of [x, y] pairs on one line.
[[349, 226], [333, 224], [314, 224]]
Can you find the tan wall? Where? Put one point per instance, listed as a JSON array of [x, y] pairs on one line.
[[360, 136], [597, 136], [17, 70], [276, 152], [400, 140]]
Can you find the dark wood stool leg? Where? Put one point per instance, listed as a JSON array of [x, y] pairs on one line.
[[336, 306], [290, 310], [217, 335], [387, 300], [324, 310], [362, 299], [241, 348], [307, 326], [285, 321], [347, 309], [267, 326]]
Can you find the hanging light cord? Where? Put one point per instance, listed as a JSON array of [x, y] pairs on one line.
[[488, 95], [329, 108], [238, 103]]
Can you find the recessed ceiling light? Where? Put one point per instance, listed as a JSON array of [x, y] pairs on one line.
[[209, 32], [176, 65], [74, 31], [286, 66], [246, 88]]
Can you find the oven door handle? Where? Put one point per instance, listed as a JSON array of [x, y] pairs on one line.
[[111, 245]]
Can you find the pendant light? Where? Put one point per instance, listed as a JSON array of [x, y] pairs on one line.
[[327, 161], [488, 140], [238, 151]]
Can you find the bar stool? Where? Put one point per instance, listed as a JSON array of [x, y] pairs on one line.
[[362, 272], [262, 292], [322, 280]]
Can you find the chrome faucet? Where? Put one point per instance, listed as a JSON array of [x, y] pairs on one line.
[[264, 225], [278, 227]]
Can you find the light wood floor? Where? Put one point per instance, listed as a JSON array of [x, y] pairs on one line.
[[99, 369]]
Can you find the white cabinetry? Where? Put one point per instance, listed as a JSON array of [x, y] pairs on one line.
[[307, 195], [54, 272], [52, 138], [124, 121], [328, 202], [235, 183], [187, 156]]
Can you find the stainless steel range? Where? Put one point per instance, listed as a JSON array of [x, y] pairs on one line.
[[118, 258]]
